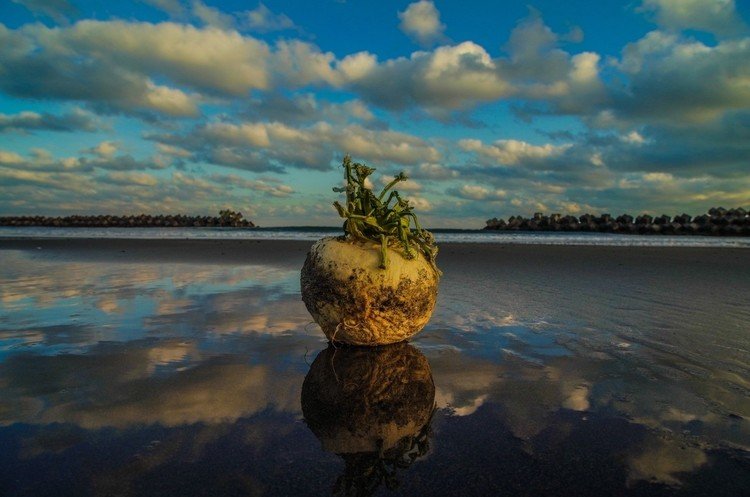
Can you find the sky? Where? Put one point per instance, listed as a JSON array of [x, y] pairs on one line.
[[491, 108]]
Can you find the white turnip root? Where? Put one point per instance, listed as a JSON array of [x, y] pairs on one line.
[[377, 284]]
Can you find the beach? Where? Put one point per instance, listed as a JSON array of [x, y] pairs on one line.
[[557, 370]]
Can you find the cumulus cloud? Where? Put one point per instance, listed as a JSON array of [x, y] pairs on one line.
[[674, 79], [420, 204], [434, 171], [104, 154], [408, 186], [129, 178], [450, 77], [38, 62], [203, 59], [478, 192], [115, 64], [421, 22], [171, 68], [77, 120], [273, 146], [715, 16], [543, 72], [461, 76], [306, 108], [10, 158], [105, 150], [659, 169], [112, 183], [296, 63], [512, 152]]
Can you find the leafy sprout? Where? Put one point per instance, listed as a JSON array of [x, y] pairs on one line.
[[385, 219]]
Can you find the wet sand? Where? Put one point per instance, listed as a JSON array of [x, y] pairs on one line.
[[557, 370], [619, 289]]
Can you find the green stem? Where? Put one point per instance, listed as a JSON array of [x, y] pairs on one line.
[[399, 177], [383, 252]]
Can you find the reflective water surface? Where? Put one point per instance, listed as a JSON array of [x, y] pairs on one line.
[[134, 377]]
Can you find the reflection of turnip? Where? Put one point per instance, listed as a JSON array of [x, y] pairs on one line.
[[373, 407], [377, 284]]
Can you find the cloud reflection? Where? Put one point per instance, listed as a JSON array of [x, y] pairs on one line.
[[120, 386]]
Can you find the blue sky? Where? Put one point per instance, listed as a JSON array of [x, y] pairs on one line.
[[491, 108]]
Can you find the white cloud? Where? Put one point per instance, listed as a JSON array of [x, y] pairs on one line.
[[461, 76], [597, 160], [357, 66], [77, 120], [513, 152], [130, 178], [172, 68], [408, 186], [10, 158], [209, 59], [421, 21], [680, 81], [169, 101], [434, 172], [250, 134], [634, 137], [658, 177], [384, 145], [172, 150], [299, 63], [450, 77], [420, 204], [115, 64], [263, 146], [477, 192], [105, 150], [715, 16]]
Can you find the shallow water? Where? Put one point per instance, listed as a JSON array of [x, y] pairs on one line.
[[151, 378]]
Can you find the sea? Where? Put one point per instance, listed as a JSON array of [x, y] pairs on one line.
[[308, 233]]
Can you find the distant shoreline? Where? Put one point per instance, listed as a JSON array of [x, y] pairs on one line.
[[717, 222], [226, 219]]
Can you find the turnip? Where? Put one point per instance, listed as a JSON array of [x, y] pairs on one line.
[[377, 283]]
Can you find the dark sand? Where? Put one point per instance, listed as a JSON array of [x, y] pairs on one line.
[[651, 288], [559, 370], [631, 285]]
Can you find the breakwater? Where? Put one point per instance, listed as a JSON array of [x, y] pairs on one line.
[[718, 222], [233, 220]]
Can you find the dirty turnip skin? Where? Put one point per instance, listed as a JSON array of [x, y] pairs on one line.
[[356, 302]]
